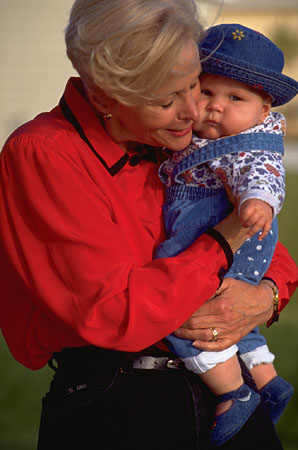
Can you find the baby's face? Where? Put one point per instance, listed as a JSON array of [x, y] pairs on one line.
[[227, 107]]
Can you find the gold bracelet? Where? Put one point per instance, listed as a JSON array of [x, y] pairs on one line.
[[275, 299], [275, 315]]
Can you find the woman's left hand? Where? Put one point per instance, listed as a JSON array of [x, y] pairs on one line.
[[236, 309]]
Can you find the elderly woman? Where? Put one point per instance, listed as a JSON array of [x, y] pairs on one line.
[[81, 219]]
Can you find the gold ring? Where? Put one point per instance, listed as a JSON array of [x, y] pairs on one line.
[[214, 334]]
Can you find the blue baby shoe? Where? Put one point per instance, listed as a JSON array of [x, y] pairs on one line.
[[276, 394], [228, 424]]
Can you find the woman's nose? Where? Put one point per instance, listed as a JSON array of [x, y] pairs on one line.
[[190, 107]]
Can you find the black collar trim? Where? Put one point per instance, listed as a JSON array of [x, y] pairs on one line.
[[69, 115]]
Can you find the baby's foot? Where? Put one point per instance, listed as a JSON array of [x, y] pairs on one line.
[[236, 407], [276, 394], [223, 407]]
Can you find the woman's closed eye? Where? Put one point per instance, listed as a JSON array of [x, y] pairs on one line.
[[167, 105], [194, 84]]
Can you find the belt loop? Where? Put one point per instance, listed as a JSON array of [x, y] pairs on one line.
[[126, 365], [54, 367]]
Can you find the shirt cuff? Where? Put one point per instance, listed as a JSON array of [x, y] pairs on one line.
[[223, 243]]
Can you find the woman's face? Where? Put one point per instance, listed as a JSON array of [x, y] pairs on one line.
[[168, 123]]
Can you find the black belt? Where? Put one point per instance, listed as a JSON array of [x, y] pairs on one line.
[[94, 359]]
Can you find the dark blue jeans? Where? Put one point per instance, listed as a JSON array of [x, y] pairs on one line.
[[103, 404]]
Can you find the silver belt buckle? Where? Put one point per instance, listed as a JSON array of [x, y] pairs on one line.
[[156, 363], [174, 364]]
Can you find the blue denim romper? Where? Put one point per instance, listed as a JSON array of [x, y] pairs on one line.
[[189, 211]]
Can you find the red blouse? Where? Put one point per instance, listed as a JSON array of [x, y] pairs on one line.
[[80, 221]]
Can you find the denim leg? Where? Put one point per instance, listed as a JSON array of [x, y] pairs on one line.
[[182, 347], [251, 341], [196, 360], [253, 258], [142, 410], [253, 349], [188, 212]]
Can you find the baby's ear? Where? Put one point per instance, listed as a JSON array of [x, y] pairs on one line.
[[266, 108]]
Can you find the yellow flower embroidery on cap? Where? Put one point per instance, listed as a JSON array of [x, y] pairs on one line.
[[238, 35]]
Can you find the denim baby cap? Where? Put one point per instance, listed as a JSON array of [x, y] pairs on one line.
[[237, 52]]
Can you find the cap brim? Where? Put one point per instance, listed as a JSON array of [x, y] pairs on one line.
[[280, 87]]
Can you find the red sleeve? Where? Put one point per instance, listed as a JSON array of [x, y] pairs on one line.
[[284, 271], [78, 266]]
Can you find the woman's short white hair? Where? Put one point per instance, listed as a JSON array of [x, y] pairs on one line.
[[127, 48]]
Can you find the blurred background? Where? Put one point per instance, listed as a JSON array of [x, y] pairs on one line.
[[33, 72]]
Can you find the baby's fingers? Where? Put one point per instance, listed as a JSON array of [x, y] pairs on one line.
[[256, 227], [265, 230]]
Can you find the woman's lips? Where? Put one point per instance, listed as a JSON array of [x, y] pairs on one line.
[[180, 133]]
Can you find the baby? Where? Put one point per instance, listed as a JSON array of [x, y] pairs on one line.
[[237, 146]]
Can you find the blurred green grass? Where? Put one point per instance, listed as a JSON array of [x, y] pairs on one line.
[[282, 337], [21, 389]]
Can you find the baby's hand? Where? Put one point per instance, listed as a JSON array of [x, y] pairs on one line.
[[256, 215]]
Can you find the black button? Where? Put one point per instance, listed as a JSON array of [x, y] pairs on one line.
[[134, 160], [139, 149]]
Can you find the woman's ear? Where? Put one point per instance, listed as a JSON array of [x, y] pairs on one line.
[[101, 101]]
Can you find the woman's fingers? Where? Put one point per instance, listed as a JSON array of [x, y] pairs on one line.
[[214, 346], [211, 334], [238, 308]]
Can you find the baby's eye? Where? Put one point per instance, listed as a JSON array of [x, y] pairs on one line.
[[235, 98], [206, 92]]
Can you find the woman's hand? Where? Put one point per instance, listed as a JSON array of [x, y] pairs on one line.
[[236, 309]]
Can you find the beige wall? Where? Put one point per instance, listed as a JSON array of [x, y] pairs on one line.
[[33, 65]]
